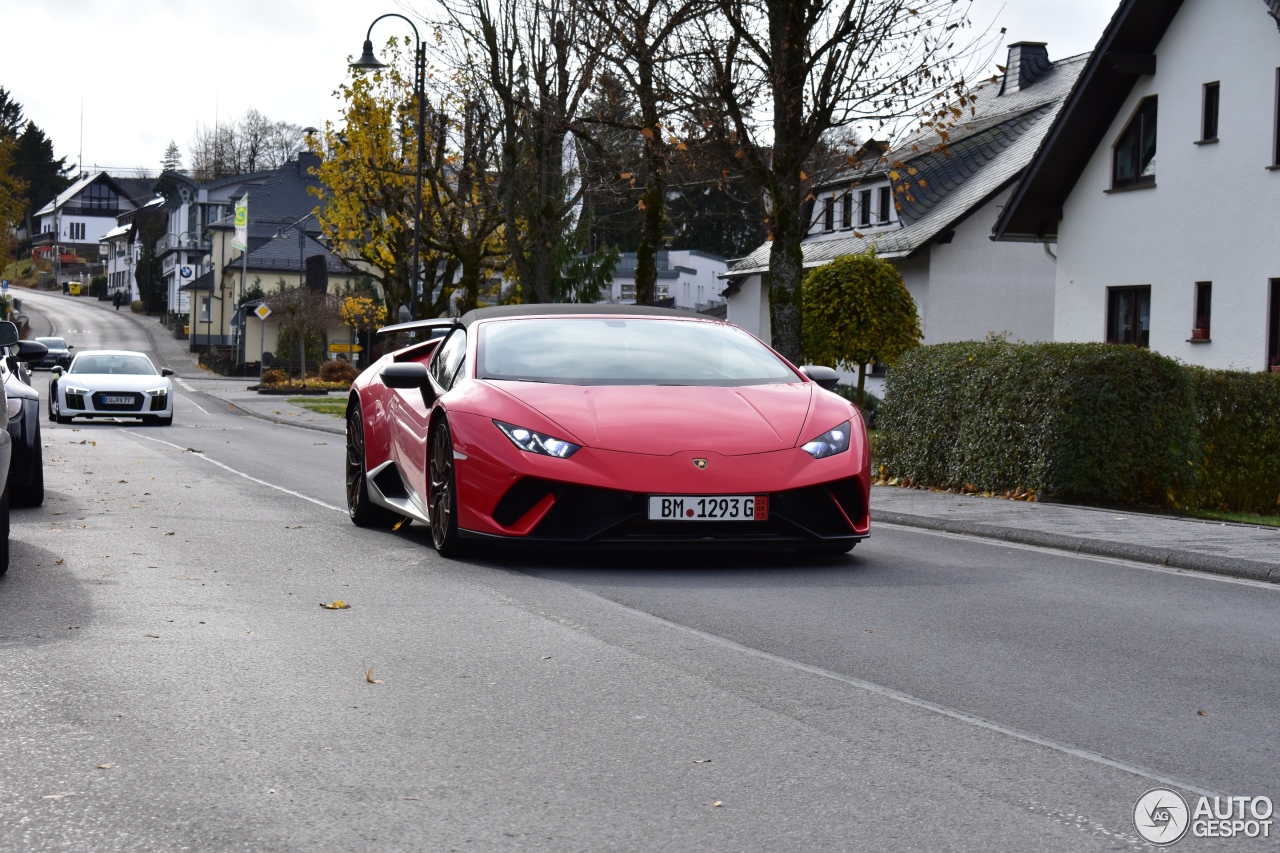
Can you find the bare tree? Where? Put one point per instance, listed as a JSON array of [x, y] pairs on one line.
[[539, 58], [637, 38], [254, 143], [786, 73]]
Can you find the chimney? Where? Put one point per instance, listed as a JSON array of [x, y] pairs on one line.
[[1028, 61]]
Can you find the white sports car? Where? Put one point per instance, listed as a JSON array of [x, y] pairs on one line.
[[111, 384]]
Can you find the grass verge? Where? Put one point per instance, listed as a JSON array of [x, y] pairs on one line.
[[1240, 517], [322, 405]]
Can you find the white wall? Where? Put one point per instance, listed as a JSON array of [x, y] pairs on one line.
[[1214, 212], [977, 286]]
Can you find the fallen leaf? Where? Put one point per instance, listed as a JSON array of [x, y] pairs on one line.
[[326, 749], [368, 676], [702, 761], [401, 523], [192, 450], [320, 443], [56, 796], [152, 636], [57, 562], [546, 657], [105, 766], [337, 605], [293, 527], [122, 481], [271, 790], [717, 804], [413, 798], [1201, 712], [170, 533]]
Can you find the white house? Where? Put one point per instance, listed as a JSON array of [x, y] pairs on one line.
[[1168, 241], [931, 210], [689, 277], [82, 214]]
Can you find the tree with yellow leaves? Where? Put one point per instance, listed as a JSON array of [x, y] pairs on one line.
[[367, 192], [12, 198]]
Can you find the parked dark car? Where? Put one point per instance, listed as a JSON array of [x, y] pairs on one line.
[[59, 353], [22, 404], [8, 338]]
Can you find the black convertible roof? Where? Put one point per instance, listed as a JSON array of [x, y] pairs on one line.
[[560, 309]]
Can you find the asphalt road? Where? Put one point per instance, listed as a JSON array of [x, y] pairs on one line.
[[170, 682]]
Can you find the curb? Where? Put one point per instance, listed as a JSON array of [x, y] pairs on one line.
[[334, 430], [1229, 566]]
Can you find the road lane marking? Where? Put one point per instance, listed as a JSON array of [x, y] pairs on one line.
[[905, 698], [193, 402], [226, 467], [184, 385]]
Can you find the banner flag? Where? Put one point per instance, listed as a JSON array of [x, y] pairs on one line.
[[241, 240]]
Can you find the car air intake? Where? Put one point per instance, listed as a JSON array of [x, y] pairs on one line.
[[75, 401]]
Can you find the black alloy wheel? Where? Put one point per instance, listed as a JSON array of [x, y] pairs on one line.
[[363, 512], [443, 494]]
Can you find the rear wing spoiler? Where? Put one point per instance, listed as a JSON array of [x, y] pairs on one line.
[[437, 327]]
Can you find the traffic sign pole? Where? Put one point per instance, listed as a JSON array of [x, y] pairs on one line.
[[263, 313]]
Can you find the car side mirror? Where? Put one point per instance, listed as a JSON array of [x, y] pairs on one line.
[[56, 370], [8, 334], [164, 371], [824, 376], [31, 350], [406, 374]]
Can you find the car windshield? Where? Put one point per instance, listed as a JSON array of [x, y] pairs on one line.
[[53, 343], [128, 365], [609, 351]]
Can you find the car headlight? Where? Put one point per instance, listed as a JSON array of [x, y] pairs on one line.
[[158, 392], [71, 389], [830, 443], [535, 442], [13, 405]]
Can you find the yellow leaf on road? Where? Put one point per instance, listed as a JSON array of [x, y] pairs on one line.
[[401, 523], [368, 676], [337, 605]]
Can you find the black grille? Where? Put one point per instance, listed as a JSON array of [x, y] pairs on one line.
[[75, 401], [158, 402], [607, 516], [134, 404]]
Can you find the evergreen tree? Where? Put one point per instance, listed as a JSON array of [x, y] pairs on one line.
[[172, 161], [11, 120], [44, 175], [150, 270]]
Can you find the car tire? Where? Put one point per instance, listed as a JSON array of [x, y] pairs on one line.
[[4, 531], [51, 417], [32, 494], [363, 511], [165, 421], [442, 493]]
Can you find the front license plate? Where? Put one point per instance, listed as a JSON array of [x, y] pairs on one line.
[[108, 400], [699, 508]]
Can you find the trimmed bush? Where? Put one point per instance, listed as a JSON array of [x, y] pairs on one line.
[[274, 377], [1084, 422], [337, 370], [136, 306], [1238, 415]]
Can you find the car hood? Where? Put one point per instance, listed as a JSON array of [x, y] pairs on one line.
[[114, 381], [666, 419]]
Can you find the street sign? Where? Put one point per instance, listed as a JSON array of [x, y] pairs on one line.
[[262, 311], [345, 348], [4, 284]]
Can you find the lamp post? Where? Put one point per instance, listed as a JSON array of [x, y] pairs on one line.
[[368, 61]]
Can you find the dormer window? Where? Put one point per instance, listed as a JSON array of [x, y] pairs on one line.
[[864, 208], [1134, 157], [829, 213], [846, 212], [886, 201]]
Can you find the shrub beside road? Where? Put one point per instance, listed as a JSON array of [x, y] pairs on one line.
[[1092, 423]]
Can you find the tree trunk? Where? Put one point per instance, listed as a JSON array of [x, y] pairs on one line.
[[786, 262], [862, 384]]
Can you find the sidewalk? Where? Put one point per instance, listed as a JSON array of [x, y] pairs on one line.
[[1224, 548]]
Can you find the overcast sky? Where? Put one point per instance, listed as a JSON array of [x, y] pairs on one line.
[[151, 71]]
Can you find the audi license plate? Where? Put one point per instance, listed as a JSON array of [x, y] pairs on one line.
[[108, 400], [720, 508]]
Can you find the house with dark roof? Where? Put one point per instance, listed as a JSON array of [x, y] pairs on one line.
[[285, 249], [1167, 240], [938, 231], [82, 214]]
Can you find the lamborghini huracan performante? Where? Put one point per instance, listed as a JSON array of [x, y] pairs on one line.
[[604, 426]]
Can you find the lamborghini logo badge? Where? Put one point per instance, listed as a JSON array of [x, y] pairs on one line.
[[700, 463]]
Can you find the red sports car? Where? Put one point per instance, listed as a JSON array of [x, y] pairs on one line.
[[604, 425]]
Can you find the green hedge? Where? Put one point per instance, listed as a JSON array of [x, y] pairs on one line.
[[1085, 422], [1238, 416]]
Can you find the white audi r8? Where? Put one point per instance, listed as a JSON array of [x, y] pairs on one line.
[[111, 384]]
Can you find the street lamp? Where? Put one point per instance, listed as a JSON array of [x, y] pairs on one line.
[[368, 61]]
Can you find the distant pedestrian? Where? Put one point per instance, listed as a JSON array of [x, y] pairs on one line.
[[116, 300]]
